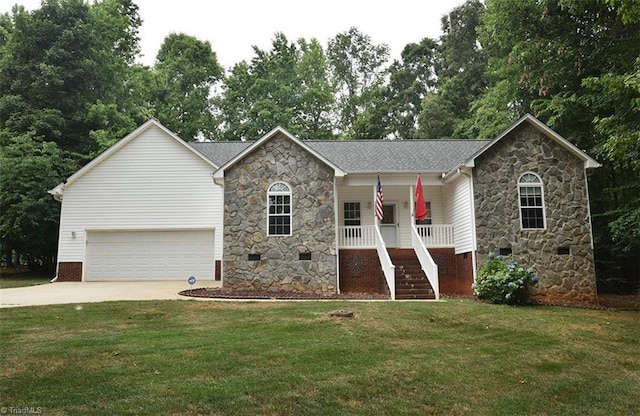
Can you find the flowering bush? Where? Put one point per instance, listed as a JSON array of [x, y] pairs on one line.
[[502, 280]]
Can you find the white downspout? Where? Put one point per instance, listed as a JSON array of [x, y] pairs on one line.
[[474, 237], [336, 227]]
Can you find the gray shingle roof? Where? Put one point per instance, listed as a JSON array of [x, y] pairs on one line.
[[220, 152], [369, 156]]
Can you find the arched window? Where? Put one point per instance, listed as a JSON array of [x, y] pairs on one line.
[[279, 209], [531, 201]]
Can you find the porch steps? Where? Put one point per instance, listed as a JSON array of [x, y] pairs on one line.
[[411, 282]]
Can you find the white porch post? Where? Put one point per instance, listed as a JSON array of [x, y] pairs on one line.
[[412, 204], [336, 207]]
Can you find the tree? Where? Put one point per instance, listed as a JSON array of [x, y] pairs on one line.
[[58, 61], [286, 86], [460, 65], [358, 71], [182, 79], [29, 227], [409, 82], [316, 94]]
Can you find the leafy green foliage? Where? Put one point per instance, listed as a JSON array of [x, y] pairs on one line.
[[29, 227], [358, 69], [186, 70], [501, 279], [460, 66], [409, 82], [286, 86]]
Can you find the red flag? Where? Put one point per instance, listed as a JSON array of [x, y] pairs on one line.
[[379, 200], [421, 206]]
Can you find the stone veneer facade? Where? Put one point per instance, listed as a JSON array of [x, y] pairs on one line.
[[561, 276], [313, 221]]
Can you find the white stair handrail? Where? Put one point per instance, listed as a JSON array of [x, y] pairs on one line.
[[429, 267], [388, 268]]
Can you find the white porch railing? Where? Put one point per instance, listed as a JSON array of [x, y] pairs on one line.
[[357, 236], [429, 266], [387, 267], [437, 235]]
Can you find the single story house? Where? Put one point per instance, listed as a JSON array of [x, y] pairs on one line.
[[281, 213]]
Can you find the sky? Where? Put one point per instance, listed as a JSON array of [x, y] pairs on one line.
[[234, 26]]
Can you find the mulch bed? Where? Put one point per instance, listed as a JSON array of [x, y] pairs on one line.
[[605, 301], [226, 293]]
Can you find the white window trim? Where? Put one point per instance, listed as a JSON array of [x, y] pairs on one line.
[[344, 213], [277, 193], [540, 185]]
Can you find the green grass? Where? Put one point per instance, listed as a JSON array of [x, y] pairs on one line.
[[8, 280], [458, 357]]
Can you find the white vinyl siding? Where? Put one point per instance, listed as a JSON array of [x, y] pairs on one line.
[[149, 255], [151, 183], [457, 202]]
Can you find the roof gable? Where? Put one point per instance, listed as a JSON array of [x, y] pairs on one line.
[[218, 175], [58, 191], [589, 162]]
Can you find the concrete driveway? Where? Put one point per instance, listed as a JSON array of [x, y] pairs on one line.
[[87, 292]]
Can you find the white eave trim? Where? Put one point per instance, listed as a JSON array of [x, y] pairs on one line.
[[58, 191], [218, 175], [589, 162]]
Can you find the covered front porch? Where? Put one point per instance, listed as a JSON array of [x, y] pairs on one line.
[[400, 244]]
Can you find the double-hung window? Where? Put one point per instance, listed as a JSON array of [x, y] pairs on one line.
[[279, 209], [531, 202], [352, 219]]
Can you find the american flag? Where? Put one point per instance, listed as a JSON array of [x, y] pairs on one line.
[[379, 200]]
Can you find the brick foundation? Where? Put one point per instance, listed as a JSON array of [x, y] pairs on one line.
[[445, 258], [361, 272], [69, 272], [464, 280]]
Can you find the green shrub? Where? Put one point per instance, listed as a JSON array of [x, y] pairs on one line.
[[502, 280]]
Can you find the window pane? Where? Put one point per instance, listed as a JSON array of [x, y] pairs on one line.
[[279, 225], [529, 178], [352, 213], [532, 218], [530, 196]]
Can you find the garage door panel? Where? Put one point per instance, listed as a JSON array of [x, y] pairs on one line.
[[150, 255]]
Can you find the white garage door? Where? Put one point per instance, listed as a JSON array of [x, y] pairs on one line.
[[149, 255]]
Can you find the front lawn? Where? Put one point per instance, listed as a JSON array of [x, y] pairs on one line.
[[457, 357]]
